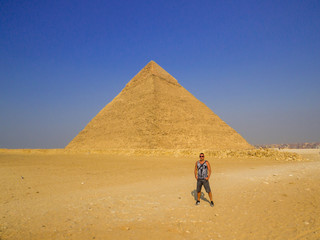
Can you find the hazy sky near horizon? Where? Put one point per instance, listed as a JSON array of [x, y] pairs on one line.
[[256, 64]]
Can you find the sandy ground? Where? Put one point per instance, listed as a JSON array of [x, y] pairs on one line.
[[96, 196]]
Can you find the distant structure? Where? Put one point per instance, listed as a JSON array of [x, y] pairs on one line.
[[306, 145], [154, 111]]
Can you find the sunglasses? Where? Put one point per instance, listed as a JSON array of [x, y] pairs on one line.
[[201, 156]]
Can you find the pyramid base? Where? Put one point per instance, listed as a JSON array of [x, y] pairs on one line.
[[230, 153]]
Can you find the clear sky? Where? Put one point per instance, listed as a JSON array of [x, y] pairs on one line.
[[256, 64]]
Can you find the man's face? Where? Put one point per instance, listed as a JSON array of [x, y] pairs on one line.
[[201, 157]]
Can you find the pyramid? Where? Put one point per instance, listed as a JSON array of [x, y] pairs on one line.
[[154, 111]]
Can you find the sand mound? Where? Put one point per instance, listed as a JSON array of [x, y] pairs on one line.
[[155, 112]]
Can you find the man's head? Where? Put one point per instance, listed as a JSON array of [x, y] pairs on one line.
[[201, 156]]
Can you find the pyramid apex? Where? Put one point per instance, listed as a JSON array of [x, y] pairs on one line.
[[152, 66], [153, 69]]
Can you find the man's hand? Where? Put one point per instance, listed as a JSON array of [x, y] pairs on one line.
[[207, 178], [196, 177]]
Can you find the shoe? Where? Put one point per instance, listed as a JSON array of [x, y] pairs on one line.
[[211, 203], [197, 202]]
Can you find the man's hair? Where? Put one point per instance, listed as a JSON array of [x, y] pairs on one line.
[[201, 153]]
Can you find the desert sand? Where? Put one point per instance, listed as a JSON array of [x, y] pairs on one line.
[[63, 195]]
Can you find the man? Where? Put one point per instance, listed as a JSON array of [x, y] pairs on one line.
[[202, 172]]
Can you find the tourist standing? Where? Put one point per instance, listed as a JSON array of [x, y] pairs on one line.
[[202, 172]]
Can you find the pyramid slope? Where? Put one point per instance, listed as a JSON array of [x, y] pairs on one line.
[[154, 111]]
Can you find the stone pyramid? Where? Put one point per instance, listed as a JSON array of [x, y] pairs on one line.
[[154, 111]]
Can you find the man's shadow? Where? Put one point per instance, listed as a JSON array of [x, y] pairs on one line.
[[202, 197]]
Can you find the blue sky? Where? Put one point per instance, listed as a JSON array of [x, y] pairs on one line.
[[256, 64]]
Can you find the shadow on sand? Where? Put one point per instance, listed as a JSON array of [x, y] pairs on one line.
[[202, 197]]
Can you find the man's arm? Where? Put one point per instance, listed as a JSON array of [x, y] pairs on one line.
[[209, 170], [196, 171]]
